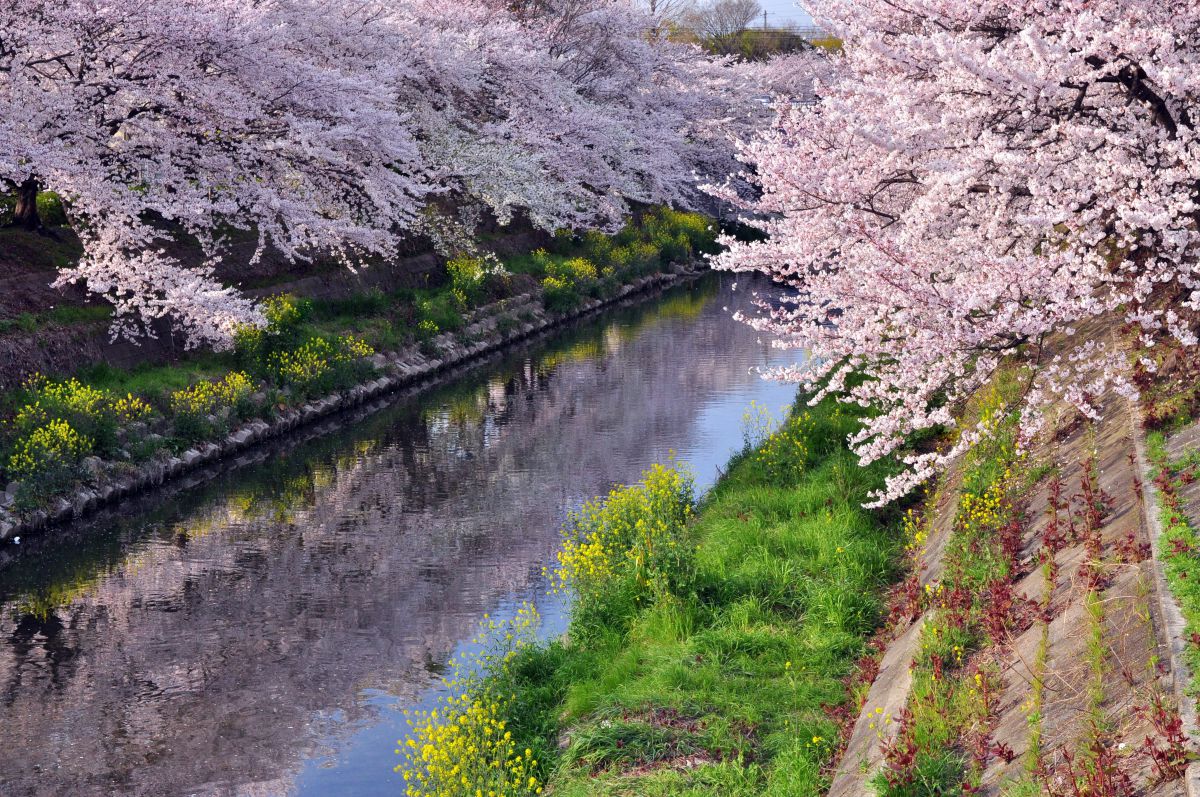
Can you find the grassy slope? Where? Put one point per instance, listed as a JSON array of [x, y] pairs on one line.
[[719, 688]]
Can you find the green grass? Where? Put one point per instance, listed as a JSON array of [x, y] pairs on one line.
[[38, 252], [719, 686], [155, 381], [62, 315], [1179, 544]]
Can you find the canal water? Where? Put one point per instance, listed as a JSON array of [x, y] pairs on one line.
[[260, 633]]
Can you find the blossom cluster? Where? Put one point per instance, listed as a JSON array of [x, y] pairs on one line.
[[625, 535], [465, 748], [332, 127], [210, 396], [964, 183]]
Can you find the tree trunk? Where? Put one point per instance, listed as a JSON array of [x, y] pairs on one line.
[[25, 214]]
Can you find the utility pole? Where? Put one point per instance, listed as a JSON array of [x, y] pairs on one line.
[[764, 19]]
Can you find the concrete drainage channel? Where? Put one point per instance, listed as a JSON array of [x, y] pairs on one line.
[[111, 482]]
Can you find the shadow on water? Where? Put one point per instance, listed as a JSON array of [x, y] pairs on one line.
[[257, 631]]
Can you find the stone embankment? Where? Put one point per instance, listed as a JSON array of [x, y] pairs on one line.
[[486, 330], [1103, 639]]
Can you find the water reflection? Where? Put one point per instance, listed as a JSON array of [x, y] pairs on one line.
[[256, 634]]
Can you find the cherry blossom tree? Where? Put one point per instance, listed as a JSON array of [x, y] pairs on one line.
[[582, 109], [189, 117], [975, 178], [329, 126]]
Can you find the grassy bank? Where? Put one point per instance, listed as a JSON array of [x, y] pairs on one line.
[[57, 431], [1179, 545], [708, 647]]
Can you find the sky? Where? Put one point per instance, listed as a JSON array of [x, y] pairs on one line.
[[782, 12]]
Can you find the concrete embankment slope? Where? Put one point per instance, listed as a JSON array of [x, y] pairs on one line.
[[1085, 689]]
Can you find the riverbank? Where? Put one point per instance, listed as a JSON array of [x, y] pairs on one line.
[[281, 611], [1041, 639], [710, 650], [78, 447]]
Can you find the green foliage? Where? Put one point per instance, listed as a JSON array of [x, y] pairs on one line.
[[156, 382], [51, 209], [441, 311], [575, 269], [935, 775], [289, 354], [505, 325], [283, 330], [474, 277], [700, 232], [594, 264], [466, 747], [598, 247], [192, 407], [319, 365], [564, 242], [560, 296], [951, 697], [46, 459], [1179, 543], [767, 602], [373, 302], [567, 279], [55, 424], [94, 413], [617, 554]]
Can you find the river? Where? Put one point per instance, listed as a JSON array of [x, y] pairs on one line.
[[260, 632]]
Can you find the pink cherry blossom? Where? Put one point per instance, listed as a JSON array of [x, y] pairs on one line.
[[975, 178], [337, 126]]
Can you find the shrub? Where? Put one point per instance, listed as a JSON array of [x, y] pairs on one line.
[[465, 747], [566, 279], [442, 311], [564, 241], [319, 365], [674, 249], [575, 270], [193, 405], [95, 413], [466, 273], [283, 352], [427, 329], [284, 317], [476, 276], [699, 230], [637, 258], [598, 247], [47, 459], [543, 261], [558, 295], [616, 552]]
